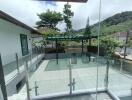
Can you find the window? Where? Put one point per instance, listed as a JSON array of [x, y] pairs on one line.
[[24, 44]]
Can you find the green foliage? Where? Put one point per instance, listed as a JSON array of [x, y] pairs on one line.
[[109, 44], [118, 18], [121, 22], [130, 42], [49, 19], [67, 14], [48, 31], [121, 27]]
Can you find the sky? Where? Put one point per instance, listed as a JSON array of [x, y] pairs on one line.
[[26, 10]]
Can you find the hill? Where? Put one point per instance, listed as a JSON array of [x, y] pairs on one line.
[[120, 22]]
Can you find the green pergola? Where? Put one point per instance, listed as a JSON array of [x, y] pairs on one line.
[[69, 37]]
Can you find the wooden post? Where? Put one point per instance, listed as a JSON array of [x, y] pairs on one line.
[[2, 80]]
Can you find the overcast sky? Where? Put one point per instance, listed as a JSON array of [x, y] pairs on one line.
[[26, 10]]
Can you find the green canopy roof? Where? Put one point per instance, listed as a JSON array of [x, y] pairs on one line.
[[71, 37]]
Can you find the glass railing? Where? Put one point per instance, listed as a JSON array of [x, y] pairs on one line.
[[120, 79], [70, 72], [76, 72], [73, 73], [49, 87], [9, 63], [14, 61], [14, 71]]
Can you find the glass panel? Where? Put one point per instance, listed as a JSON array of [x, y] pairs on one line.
[[14, 72], [84, 72], [9, 63], [116, 30], [50, 78]]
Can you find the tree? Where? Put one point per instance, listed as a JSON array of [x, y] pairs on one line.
[[49, 19], [48, 31], [88, 31], [109, 44], [67, 14]]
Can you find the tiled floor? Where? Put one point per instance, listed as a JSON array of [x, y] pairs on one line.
[[49, 82], [57, 81]]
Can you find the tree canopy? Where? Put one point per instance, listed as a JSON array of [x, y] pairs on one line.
[[109, 44], [49, 19], [48, 31], [67, 14]]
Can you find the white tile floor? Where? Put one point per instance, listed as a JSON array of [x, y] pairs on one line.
[[85, 78]]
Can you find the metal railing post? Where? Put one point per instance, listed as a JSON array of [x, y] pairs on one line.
[[70, 79], [27, 82], [73, 84], [107, 75], [131, 91], [17, 63], [36, 88], [2, 80], [37, 57], [121, 61]]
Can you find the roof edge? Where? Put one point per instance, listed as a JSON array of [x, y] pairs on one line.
[[11, 19], [77, 1]]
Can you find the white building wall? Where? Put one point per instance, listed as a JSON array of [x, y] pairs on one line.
[[10, 40]]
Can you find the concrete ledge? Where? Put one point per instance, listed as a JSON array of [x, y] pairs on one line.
[[113, 95], [65, 94]]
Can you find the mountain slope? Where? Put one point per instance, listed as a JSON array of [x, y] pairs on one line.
[[120, 22]]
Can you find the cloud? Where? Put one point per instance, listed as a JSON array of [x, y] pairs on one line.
[[91, 10], [26, 10], [23, 10], [50, 3]]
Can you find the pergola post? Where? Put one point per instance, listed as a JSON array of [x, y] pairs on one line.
[[82, 45], [2, 80], [56, 52]]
